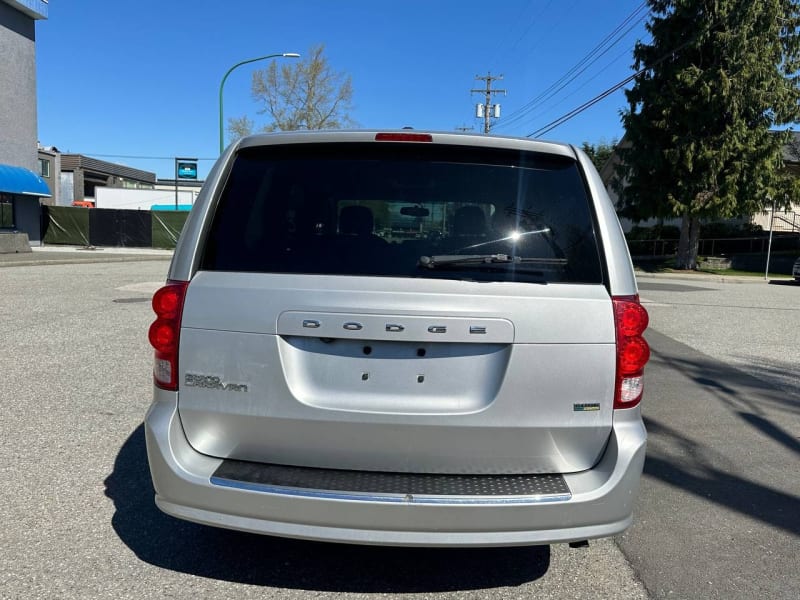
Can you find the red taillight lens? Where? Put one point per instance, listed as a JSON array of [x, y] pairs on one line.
[[162, 335], [630, 321], [165, 332], [403, 137], [631, 317], [167, 301], [633, 355]]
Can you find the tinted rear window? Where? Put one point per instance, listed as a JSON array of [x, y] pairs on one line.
[[404, 210]]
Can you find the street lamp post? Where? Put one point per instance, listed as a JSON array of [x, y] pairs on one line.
[[221, 85]]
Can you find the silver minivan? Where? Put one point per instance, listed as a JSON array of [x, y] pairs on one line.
[[400, 338]]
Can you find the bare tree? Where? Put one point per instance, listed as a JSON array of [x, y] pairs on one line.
[[238, 127], [305, 94]]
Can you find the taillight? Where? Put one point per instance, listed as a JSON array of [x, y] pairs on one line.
[[630, 321], [165, 332]]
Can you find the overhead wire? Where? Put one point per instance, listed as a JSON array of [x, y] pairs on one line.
[[576, 111], [589, 103], [93, 154], [581, 71], [516, 21], [534, 20], [573, 92], [599, 50], [563, 13]]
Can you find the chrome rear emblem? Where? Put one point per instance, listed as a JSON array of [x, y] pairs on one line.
[[212, 382]]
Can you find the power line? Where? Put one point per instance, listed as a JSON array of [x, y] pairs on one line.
[[585, 67], [573, 92], [533, 21], [580, 67], [631, 21], [576, 111], [588, 104], [94, 154]]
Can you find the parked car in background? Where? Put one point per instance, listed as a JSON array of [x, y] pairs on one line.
[[796, 270], [400, 338]]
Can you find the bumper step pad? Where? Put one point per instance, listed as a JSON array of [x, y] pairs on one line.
[[391, 487]]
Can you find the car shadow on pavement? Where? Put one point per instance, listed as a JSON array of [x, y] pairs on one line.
[[742, 412], [234, 556], [699, 476]]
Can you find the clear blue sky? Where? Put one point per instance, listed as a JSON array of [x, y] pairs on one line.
[[142, 78]]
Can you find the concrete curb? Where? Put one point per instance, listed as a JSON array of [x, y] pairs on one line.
[[76, 261], [695, 276], [71, 255]]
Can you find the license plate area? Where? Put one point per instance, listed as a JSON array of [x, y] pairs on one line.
[[393, 377]]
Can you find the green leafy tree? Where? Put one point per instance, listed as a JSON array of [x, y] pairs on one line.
[[599, 152], [715, 80], [304, 94]]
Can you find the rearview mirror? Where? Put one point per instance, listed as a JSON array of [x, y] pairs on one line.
[[415, 211]]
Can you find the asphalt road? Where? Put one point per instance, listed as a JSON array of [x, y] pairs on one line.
[[718, 512]]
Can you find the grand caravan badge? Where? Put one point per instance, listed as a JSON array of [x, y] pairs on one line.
[[212, 382]]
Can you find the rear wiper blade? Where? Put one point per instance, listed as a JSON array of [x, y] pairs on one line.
[[455, 260]]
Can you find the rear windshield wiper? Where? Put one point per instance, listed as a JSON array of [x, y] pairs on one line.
[[484, 260]]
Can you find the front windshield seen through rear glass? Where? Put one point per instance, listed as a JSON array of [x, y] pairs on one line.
[[405, 210]]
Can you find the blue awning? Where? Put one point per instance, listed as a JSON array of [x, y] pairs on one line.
[[18, 180]]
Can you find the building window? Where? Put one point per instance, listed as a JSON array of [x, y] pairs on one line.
[[6, 212], [44, 167]]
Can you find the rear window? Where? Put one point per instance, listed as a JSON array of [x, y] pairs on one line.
[[404, 210]]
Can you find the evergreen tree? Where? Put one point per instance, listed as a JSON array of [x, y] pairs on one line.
[[715, 80]]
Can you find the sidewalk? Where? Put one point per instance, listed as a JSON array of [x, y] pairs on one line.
[[700, 276], [68, 255]]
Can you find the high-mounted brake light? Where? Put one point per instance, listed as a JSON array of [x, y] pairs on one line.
[[165, 332], [403, 137], [630, 321]]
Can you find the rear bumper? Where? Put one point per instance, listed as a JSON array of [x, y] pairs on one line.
[[600, 502]]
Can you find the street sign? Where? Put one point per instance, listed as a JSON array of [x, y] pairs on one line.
[[187, 170]]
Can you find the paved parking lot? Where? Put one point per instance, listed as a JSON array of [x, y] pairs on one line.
[[77, 508], [718, 511], [752, 326]]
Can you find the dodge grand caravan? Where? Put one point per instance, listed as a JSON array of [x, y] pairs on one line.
[[400, 338]]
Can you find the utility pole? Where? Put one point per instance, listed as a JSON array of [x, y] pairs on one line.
[[488, 110]]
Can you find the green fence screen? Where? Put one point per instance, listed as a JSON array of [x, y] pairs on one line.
[[66, 225], [74, 226], [167, 226]]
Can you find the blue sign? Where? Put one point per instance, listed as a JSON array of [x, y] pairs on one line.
[[187, 170]]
